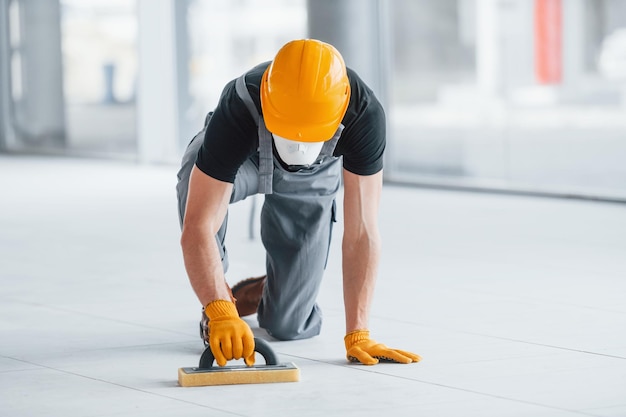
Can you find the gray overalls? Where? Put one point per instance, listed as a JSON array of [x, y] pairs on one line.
[[296, 225]]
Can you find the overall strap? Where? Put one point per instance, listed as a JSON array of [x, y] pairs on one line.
[[266, 159], [329, 145], [244, 95]]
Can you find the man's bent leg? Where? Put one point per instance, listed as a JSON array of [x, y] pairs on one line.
[[296, 226]]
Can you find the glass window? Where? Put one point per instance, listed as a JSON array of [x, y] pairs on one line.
[[30, 71], [226, 38], [70, 73], [512, 94], [99, 50]]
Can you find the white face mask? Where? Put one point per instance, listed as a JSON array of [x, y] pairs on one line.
[[297, 153]]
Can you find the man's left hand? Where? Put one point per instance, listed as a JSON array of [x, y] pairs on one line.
[[360, 348]]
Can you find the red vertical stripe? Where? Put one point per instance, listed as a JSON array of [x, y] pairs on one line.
[[548, 41]]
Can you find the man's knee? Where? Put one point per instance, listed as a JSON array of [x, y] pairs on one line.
[[289, 327], [291, 332]]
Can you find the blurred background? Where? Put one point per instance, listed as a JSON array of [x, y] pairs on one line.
[[507, 95]]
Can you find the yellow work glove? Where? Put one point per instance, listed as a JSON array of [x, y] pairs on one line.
[[229, 336], [360, 348]]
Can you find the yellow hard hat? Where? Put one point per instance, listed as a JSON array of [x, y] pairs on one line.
[[305, 91]]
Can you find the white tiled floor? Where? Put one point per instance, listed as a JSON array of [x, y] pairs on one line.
[[517, 304]]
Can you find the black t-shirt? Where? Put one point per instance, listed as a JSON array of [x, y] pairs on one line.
[[232, 135]]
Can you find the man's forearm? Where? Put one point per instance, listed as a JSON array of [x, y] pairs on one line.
[[361, 246], [360, 268], [207, 203], [204, 267]]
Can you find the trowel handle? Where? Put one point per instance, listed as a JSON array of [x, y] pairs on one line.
[[260, 345]]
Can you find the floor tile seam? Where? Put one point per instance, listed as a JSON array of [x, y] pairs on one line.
[[530, 300], [497, 359], [50, 368], [447, 364], [543, 265], [82, 313], [608, 407], [143, 345], [378, 317], [587, 352], [525, 298], [452, 330], [363, 368], [113, 348], [500, 397], [8, 371], [41, 367]]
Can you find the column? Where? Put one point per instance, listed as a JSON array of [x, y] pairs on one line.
[[157, 99], [357, 29]]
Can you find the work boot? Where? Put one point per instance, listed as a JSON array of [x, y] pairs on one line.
[[204, 320], [247, 294]]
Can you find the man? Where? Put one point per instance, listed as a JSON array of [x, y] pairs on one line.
[[284, 129]]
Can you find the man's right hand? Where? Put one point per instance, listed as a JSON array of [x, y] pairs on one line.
[[229, 336]]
